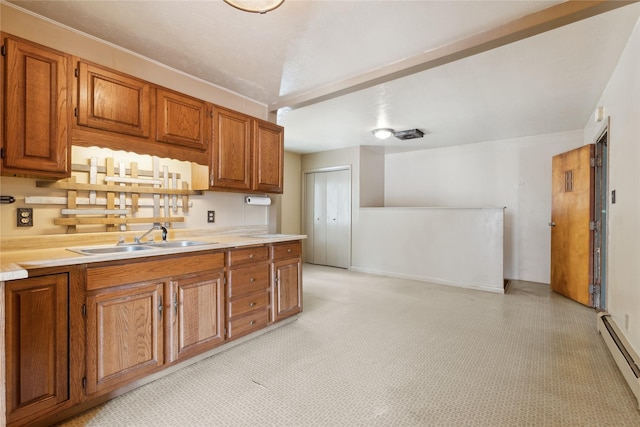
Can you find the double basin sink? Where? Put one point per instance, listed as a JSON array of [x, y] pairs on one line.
[[134, 247]]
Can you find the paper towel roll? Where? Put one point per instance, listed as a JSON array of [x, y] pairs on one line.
[[254, 200]]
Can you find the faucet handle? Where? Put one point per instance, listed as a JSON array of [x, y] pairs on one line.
[[121, 240]]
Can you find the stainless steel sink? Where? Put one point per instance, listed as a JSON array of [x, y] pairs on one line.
[[110, 249], [177, 244]]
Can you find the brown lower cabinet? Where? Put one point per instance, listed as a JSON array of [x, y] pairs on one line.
[[40, 348], [124, 334], [287, 280], [79, 335]]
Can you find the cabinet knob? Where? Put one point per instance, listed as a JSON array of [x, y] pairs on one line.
[[289, 251], [250, 256], [251, 304], [253, 322], [252, 279]]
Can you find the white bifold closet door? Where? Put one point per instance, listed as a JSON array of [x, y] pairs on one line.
[[329, 217]]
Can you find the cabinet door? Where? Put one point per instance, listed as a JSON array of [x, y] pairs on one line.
[[231, 158], [197, 314], [182, 120], [268, 152], [287, 288], [36, 110], [112, 101], [124, 335], [37, 340]]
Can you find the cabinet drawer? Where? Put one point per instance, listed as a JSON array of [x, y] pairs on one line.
[[250, 279], [287, 250], [132, 272], [249, 323], [247, 255], [250, 302]]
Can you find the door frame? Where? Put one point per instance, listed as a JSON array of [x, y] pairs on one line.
[[601, 217], [309, 239]]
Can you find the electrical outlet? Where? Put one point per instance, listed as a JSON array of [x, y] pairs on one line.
[[211, 216], [25, 217]]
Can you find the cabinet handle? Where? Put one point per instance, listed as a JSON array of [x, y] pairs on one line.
[[251, 304], [253, 322], [160, 308], [175, 303]]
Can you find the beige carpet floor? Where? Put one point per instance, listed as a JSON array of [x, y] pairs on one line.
[[378, 351]]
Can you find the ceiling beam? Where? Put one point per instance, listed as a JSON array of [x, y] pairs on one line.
[[530, 25]]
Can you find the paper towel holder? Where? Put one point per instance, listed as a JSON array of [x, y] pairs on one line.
[[258, 200]]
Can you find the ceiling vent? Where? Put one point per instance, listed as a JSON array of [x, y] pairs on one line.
[[408, 134]]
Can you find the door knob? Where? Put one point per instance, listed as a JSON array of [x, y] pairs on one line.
[[552, 224]]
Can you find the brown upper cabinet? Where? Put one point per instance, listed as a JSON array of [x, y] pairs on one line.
[[182, 120], [231, 157], [44, 89], [268, 155], [248, 153], [36, 104], [112, 101]]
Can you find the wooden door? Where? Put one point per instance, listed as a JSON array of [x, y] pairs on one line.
[[37, 100], [268, 154], [231, 157], [113, 101], [197, 314], [124, 335], [37, 339], [182, 120], [571, 217]]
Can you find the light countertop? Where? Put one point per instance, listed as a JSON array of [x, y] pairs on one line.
[[16, 263]]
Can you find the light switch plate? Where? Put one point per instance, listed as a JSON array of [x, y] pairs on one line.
[[211, 216]]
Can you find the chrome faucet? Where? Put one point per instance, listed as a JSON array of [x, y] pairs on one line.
[[156, 226]]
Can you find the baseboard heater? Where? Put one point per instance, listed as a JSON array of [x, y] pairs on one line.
[[626, 359]]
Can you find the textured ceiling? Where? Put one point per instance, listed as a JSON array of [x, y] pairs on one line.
[[546, 83]]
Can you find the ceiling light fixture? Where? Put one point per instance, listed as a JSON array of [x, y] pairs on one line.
[[382, 133], [255, 6]]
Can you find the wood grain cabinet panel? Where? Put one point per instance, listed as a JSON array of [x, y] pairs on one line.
[[112, 101], [196, 314], [36, 105], [287, 279], [182, 120], [124, 335], [268, 157], [37, 340], [231, 157]]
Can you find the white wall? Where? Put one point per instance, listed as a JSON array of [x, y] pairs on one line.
[[449, 246], [290, 200], [621, 100], [513, 173]]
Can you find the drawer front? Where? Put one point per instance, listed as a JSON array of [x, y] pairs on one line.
[[247, 255], [249, 323], [251, 302], [140, 271], [250, 279], [288, 250]]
